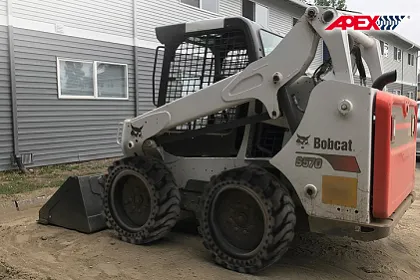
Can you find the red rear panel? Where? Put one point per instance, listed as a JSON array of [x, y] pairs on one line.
[[394, 152]]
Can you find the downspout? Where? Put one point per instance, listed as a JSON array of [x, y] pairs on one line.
[[136, 82], [417, 75], [11, 45]]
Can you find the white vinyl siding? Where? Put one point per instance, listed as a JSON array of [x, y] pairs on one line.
[[261, 15], [207, 5], [230, 7], [3, 7], [410, 71], [389, 64], [154, 13], [110, 17]]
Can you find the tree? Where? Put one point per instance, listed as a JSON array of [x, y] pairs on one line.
[[338, 4]]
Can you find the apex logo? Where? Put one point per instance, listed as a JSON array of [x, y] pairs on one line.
[[363, 22]]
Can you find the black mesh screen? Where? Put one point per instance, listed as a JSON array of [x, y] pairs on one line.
[[201, 61], [269, 140]]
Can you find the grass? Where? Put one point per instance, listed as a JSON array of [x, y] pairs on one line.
[[14, 182]]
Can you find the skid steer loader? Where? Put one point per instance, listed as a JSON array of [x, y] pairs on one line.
[[256, 148]]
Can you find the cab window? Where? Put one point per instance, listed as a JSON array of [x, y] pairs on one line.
[[269, 41]]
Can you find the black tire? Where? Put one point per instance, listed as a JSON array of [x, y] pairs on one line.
[[264, 247], [159, 199]]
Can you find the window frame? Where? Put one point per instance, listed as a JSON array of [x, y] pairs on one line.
[[382, 45], [396, 56], [262, 41], [411, 60], [200, 3], [95, 71], [411, 94], [95, 80]]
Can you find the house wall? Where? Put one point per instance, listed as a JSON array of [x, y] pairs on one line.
[[109, 17], [153, 13], [6, 130], [390, 64], [64, 130], [405, 72], [404, 89], [409, 71], [230, 7], [145, 64]]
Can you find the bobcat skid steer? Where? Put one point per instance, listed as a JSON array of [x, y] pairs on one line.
[[257, 149]]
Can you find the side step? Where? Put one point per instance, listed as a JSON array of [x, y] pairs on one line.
[[77, 205]]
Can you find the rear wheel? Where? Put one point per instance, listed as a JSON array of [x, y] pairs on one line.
[[141, 200], [247, 220]]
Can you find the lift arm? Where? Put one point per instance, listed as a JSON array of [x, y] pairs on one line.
[[262, 80]]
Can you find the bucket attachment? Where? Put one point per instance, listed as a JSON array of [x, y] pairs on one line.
[[77, 205]]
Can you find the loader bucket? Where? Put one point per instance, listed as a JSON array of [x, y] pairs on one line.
[[77, 205]]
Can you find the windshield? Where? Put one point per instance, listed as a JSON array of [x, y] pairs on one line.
[[269, 41]]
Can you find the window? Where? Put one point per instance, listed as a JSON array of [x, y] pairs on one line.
[[255, 12], [295, 20], [397, 54], [111, 80], [208, 5], [269, 41], [384, 48], [411, 60], [92, 79], [76, 78], [411, 95], [397, 91]]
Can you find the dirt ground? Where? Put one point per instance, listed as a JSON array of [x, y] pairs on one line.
[[32, 251]]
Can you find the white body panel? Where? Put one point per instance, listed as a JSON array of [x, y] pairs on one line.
[[322, 119]]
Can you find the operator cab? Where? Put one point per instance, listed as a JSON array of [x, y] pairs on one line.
[[198, 54]]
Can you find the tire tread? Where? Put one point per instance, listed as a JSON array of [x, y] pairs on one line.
[[279, 227], [165, 192]]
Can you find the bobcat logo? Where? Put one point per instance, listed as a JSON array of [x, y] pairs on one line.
[[136, 131], [302, 140]]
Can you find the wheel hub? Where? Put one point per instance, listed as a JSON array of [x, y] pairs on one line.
[[238, 221], [131, 201]]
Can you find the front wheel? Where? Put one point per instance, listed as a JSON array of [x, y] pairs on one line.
[[247, 219], [141, 200]]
